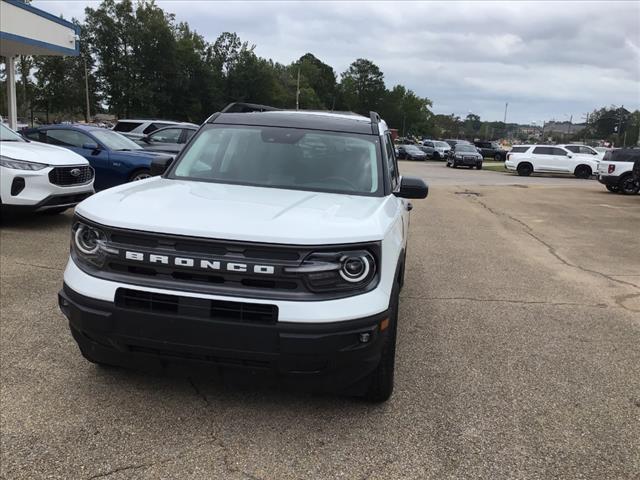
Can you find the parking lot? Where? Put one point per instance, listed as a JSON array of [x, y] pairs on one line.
[[518, 357]]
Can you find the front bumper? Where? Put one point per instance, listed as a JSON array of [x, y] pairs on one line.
[[37, 192], [467, 161], [324, 356], [50, 202]]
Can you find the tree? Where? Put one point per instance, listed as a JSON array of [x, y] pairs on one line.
[[362, 86], [319, 81], [472, 125], [404, 110]]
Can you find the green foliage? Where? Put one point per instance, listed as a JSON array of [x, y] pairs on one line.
[[362, 87]]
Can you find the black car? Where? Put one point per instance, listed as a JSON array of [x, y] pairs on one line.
[[491, 150], [411, 152], [168, 139], [462, 154]]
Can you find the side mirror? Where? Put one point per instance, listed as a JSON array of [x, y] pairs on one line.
[[90, 146], [159, 165], [569, 155], [412, 187], [146, 139]]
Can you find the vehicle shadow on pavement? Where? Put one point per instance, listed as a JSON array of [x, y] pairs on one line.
[[217, 389], [34, 221]]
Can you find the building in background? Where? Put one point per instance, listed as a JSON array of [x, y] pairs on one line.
[[26, 30]]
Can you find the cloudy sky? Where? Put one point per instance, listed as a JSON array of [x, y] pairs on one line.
[[549, 60]]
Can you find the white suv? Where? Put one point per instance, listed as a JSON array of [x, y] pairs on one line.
[[528, 159], [275, 242], [39, 177]]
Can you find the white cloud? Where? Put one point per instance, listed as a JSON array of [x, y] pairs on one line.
[[547, 59]]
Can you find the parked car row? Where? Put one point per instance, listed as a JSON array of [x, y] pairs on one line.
[[115, 158]]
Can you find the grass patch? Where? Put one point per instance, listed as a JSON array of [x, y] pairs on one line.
[[495, 168]]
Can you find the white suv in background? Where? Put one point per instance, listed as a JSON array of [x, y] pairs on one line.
[[528, 159], [136, 129], [39, 177]]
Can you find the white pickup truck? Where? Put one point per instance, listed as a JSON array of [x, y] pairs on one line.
[[616, 171]]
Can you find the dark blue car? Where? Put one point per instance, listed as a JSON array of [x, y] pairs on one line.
[[115, 158]]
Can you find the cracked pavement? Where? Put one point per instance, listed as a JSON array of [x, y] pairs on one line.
[[518, 358]]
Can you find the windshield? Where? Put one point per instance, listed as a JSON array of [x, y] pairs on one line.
[[8, 135], [411, 148], [284, 158], [114, 141], [461, 147], [442, 144]]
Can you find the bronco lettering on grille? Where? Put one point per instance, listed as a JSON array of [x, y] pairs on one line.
[[197, 263]]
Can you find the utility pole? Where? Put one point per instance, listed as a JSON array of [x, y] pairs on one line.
[[620, 123], [403, 119], [506, 105], [569, 129], [586, 127], [298, 91], [86, 89]]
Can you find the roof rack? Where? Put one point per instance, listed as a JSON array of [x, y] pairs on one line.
[[375, 119], [241, 107]]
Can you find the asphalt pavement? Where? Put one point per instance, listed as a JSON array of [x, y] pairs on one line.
[[518, 358]]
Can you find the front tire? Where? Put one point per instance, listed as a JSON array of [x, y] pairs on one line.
[[479, 166], [140, 174], [498, 157], [613, 188], [381, 379]]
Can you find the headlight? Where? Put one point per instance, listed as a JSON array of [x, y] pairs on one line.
[[90, 244], [355, 268], [458, 155], [8, 162], [337, 271]]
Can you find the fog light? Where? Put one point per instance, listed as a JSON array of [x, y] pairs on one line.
[[365, 337]]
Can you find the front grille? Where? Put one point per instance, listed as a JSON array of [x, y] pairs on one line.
[[264, 268], [67, 176], [65, 200], [196, 307]]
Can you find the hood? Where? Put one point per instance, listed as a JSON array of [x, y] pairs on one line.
[[243, 213], [41, 153]]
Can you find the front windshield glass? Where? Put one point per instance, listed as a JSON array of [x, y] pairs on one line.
[[115, 141], [284, 158], [8, 135], [442, 144], [465, 148]]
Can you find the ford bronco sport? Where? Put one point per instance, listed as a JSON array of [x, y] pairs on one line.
[[274, 242]]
